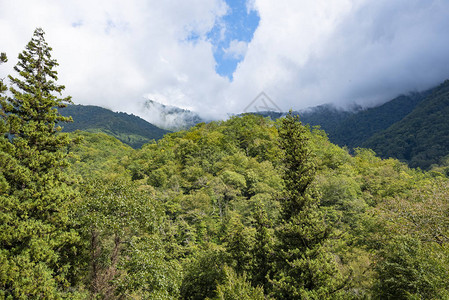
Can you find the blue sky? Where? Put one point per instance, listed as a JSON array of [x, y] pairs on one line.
[[230, 36], [238, 25]]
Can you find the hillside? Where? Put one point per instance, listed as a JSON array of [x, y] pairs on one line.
[[422, 137], [129, 129], [354, 130]]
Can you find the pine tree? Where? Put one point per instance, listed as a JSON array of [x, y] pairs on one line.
[[305, 270], [36, 241]]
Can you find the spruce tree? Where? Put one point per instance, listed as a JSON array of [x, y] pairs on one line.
[[304, 269], [36, 242]]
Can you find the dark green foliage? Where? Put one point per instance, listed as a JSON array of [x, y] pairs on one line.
[[420, 139], [38, 246], [3, 88], [129, 129], [407, 270], [305, 269], [3, 59], [203, 274], [262, 250], [299, 165]]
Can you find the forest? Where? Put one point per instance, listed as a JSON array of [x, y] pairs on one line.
[[246, 208]]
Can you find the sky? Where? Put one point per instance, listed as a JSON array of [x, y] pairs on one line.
[[216, 56]]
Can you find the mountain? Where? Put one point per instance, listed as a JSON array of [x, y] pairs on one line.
[[422, 137], [354, 129], [169, 117], [129, 129], [390, 129]]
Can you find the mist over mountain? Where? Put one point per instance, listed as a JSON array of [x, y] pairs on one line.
[[169, 117]]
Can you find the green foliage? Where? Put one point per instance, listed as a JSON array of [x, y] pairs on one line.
[[38, 247], [202, 275], [262, 248], [98, 156], [409, 270], [3, 59], [238, 287], [238, 243]]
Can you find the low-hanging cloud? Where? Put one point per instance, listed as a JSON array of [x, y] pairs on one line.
[[114, 53]]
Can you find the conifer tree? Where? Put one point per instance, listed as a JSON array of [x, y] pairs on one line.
[[305, 270], [36, 242]]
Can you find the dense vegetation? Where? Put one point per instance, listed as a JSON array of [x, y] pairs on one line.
[[246, 208], [129, 129]]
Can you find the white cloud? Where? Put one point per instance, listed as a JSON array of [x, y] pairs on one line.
[[113, 53], [236, 49], [342, 51]]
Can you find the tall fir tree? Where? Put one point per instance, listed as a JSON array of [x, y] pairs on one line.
[[37, 243], [304, 270]]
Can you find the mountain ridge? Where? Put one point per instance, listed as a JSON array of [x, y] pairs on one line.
[[129, 129]]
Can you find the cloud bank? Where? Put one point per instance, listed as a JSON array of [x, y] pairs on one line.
[[115, 54]]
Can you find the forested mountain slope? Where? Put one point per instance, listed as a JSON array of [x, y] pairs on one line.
[[354, 130], [129, 129], [422, 137]]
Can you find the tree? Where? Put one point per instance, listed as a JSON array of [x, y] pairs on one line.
[[238, 244], [305, 269], [37, 243], [125, 251]]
